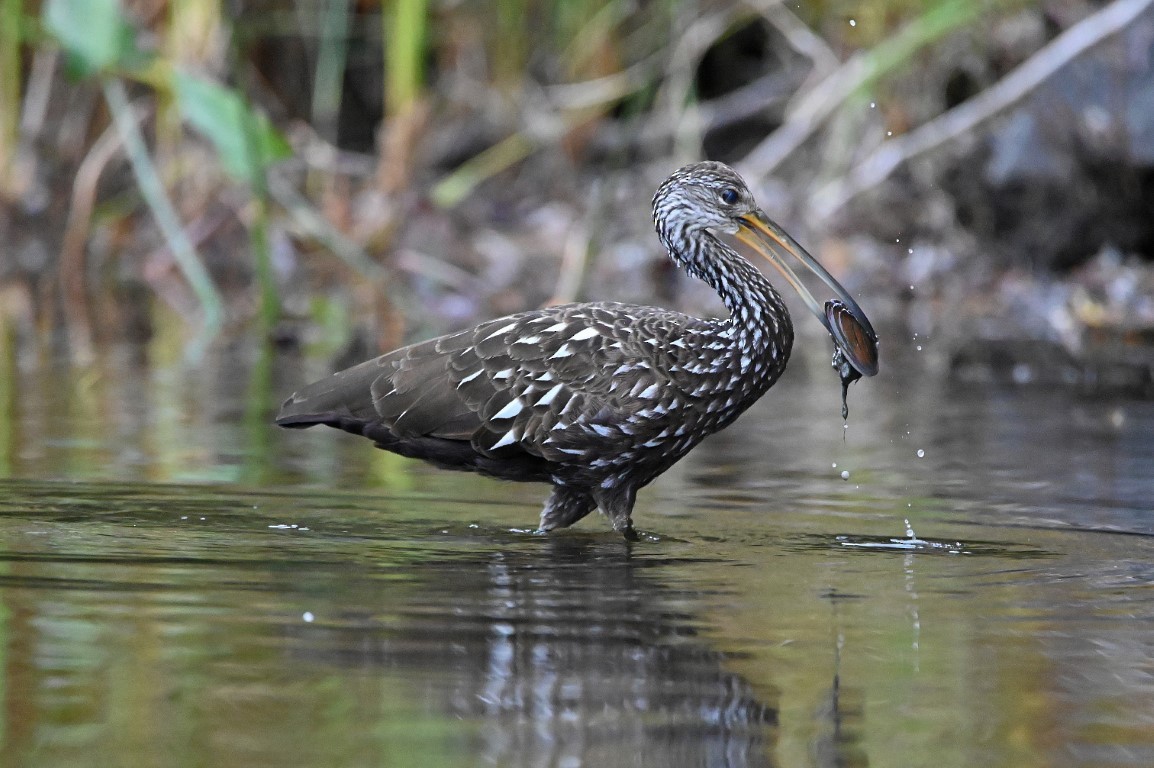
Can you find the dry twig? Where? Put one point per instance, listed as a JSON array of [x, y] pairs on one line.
[[800, 37], [814, 107], [72, 262]]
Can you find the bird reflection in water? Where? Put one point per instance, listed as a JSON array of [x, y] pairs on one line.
[[569, 654]]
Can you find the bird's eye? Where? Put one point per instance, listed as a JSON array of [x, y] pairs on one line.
[[729, 196]]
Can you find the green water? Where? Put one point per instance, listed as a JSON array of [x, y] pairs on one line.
[[183, 584]]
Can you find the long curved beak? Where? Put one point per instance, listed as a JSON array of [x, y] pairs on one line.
[[760, 233]]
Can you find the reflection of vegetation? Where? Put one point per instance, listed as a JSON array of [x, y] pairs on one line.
[[8, 434], [258, 401], [135, 631]]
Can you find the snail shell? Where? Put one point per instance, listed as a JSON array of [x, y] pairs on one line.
[[858, 345]]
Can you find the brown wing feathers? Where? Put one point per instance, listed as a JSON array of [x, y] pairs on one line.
[[507, 387], [419, 398], [344, 395], [461, 387]]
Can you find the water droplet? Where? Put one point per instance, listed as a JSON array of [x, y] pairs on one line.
[[852, 23], [845, 474], [308, 616], [872, 105], [921, 454]]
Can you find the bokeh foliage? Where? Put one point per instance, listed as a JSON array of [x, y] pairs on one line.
[[423, 100]]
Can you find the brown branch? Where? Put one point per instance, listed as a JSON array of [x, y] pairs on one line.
[[72, 262]]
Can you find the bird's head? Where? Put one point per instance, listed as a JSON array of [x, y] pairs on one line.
[[711, 196], [703, 196]]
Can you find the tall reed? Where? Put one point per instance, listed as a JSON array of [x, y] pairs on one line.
[[405, 32], [11, 22]]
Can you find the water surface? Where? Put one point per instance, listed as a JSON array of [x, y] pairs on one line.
[[183, 584]]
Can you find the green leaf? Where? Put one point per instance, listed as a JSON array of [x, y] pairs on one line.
[[245, 140], [94, 34]]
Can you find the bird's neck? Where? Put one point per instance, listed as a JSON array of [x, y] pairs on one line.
[[759, 323], [756, 310]]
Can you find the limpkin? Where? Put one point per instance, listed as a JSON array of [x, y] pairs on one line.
[[598, 399]]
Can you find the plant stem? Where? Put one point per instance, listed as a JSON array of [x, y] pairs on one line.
[[258, 235], [404, 34], [332, 54], [166, 217], [455, 187]]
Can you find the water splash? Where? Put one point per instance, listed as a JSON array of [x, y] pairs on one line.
[[911, 542]]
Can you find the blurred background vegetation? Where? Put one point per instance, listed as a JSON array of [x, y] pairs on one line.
[[346, 175]]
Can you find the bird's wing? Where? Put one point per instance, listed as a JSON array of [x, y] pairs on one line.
[[512, 384]]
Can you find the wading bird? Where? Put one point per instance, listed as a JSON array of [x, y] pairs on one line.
[[598, 399]]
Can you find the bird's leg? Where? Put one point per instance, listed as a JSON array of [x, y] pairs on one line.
[[617, 504], [565, 506]]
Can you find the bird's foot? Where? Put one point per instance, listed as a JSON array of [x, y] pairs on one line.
[[624, 526]]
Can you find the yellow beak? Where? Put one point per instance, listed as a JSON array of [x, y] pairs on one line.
[[858, 344]]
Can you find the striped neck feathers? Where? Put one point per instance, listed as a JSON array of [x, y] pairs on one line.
[[757, 314]]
